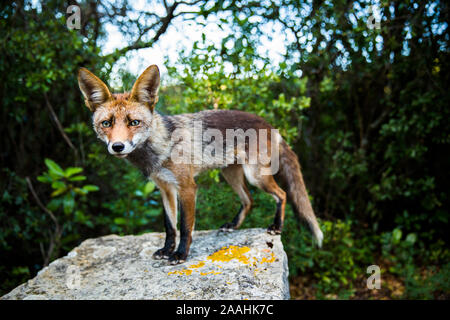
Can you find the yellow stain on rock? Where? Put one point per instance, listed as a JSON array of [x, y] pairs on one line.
[[229, 253], [188, 272], [185, 272], [226, 254], [198, 265], [268, 260], [211, 272]]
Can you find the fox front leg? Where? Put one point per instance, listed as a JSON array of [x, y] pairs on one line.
[[169, 197], [187, 219]]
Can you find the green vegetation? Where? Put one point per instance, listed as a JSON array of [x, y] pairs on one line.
[[365, 109]]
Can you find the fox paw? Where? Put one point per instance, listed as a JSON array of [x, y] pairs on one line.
[[273, 229], [163, 253], [227, 227], [177, 258]]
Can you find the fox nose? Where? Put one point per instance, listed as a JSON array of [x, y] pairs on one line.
[[118, 146]]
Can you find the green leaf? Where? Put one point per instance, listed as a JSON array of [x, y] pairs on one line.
[[411, 238], [58, 185], [20, 270], [80, 191], [54, 167], [79, 216], [77, 178], [71, 171], [143, 221], [396, 235], [54, 176], [154, 212], [120, 221], [68, 203], [44, 178], [326, 279], [58, 192], [149, 187], [90, 188], [348, 242], [138, 193], [54, 204]]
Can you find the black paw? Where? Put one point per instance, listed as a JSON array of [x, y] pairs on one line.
[[273, 229], [177, 258], [228, 227], [163, 253]]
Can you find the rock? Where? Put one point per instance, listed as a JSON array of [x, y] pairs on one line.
[[243, 264]]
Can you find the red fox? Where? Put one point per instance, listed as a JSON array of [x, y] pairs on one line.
[[161, 147]]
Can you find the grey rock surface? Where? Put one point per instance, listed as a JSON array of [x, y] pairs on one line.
[[243, 264]]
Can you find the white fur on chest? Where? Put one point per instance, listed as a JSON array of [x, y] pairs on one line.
[[165, 175]]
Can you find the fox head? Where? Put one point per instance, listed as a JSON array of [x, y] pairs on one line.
[[122, 121]]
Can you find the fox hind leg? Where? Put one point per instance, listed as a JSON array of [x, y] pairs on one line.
[[234, 175], [267, 183]]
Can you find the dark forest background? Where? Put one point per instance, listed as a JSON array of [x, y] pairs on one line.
[[365, 107]]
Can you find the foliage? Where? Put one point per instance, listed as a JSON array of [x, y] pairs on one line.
[[65, 192], [205, 85]]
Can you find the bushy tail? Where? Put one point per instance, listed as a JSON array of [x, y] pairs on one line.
[[296, 190]]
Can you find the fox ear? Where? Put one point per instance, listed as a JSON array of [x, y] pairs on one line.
[[94, 90], [145, 89]]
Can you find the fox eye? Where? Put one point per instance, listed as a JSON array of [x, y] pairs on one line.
[[106, 124], [134, 122]]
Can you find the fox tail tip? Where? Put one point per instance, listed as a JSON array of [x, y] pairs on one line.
[[318, 235]]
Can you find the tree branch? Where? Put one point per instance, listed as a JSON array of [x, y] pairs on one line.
[[55, 238], [59, 126], [164, 25], [40, 204]]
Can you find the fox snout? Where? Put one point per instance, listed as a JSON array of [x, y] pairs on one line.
[[120, 148]]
